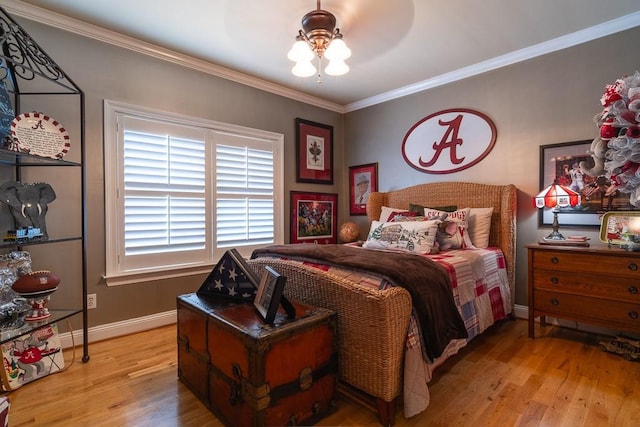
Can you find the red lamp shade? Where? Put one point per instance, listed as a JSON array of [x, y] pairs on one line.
[[556, 195]]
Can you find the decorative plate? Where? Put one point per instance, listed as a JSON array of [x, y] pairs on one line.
[[41, 135], [620, 227]]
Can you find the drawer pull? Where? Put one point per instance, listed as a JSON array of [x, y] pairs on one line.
[[633, 266], [633, 314], [554, 280], [555, 260], [633, 290], [555, 301]]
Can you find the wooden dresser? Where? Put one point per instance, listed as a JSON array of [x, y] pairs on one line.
[[598, 285]]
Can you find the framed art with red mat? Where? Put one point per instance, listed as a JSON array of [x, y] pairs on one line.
[[363, 180], [314, 149], [314, 217]]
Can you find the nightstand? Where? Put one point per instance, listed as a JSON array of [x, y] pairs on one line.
[[597, 285]]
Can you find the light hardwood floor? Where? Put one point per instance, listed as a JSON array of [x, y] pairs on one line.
[[501, 379]]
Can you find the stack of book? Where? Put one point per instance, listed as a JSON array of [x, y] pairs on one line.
[[569, 241]]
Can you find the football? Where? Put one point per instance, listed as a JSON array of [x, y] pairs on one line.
[[36, 282]]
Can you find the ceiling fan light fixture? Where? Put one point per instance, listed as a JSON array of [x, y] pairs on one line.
[[336, 67], [337, 50], [319, 38], [300, 51], [303, 69]]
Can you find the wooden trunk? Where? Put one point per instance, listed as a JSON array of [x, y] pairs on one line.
[[252, 374]]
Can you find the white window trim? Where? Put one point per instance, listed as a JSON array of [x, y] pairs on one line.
[[111, 153]]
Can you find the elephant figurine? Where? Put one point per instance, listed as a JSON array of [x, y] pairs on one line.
[[28, 203]]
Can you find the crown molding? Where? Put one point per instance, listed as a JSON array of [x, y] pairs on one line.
[[84, 29], [588, 34], [91, 31]]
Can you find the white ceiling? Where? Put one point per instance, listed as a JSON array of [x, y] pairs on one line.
[[399, 46]]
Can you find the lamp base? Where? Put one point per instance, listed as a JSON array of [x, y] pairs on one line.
[[555, 235]]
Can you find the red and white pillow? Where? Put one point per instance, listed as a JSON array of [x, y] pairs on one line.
[[461, 218], [386, 213]]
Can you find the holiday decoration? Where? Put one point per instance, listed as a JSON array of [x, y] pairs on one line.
[[616, 150]]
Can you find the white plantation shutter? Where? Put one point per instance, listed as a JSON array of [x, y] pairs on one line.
[[164, 182], [180, 193], [164, 194], [244, 193]]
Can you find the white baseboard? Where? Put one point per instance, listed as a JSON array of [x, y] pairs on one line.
[[521, 311], [112, 330], [139, 324]]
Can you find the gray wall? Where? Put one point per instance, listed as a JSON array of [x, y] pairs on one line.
[[107, 72], [545, 100]]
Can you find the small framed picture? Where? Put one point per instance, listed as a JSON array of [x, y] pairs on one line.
[[620, 228], [314, 149], [363, 180], [314, 217], [270, 290]]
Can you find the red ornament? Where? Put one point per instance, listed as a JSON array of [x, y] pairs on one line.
[[633, 132], [610, 95], [607, 130]]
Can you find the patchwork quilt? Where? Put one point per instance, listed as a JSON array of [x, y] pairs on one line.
[[480, 289]]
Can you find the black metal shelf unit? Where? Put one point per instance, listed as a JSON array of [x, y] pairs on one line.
[[32, 78]]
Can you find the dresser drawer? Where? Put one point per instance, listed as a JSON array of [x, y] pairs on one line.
[[618, 265], [602, 286], [578, 307]]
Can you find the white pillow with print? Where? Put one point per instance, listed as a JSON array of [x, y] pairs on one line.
[[410, 236]]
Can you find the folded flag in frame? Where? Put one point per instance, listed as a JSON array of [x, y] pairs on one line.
[[231, 278]]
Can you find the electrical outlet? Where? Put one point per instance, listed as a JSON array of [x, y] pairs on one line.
[[92, 301]]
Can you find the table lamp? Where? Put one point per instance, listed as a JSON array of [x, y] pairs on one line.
[[556, 196]]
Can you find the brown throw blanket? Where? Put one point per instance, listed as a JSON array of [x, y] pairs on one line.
[[427, 282]]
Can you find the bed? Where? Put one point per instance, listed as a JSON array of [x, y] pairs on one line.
[[378, 324]]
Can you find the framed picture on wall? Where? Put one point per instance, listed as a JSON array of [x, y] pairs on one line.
[[314, 217], [363, 180], [314, 152], [561, 162]]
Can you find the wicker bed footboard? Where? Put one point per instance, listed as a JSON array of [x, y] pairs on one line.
[[372, 325]]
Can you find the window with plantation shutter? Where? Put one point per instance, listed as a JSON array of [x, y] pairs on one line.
[[181, 191], [244, 195]]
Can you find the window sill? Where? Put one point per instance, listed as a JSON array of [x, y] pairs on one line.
[[148, 276]]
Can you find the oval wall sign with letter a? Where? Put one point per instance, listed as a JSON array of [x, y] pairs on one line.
[[449, 141]]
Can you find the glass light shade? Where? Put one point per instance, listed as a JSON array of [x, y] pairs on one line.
[[337, 50], [336, 68], [300, 52], [303, 69], [556, 195]]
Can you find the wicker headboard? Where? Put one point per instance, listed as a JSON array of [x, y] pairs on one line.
[[463, 195]]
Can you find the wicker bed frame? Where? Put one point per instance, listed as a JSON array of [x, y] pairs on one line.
[[372, 325]]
